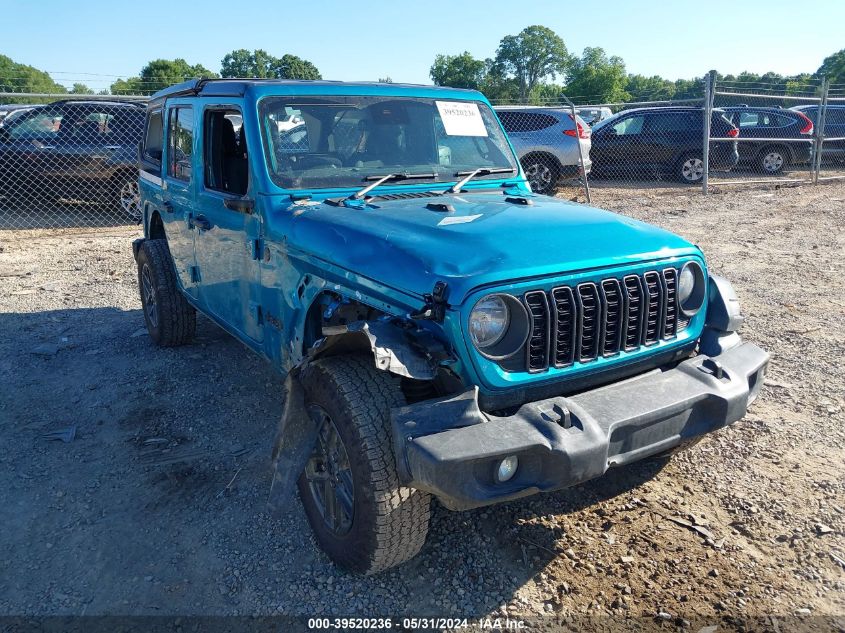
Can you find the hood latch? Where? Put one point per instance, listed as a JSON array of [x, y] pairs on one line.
[[435, 304]]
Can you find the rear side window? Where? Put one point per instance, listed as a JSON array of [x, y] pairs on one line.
[[40, 125], [154, 137], [628, 126], [526, 121], [180, 143], [761, 119], [674, 122]]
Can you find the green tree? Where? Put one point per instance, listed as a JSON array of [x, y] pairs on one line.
[[535, 53], [81, 89], [689, 88], [159, 74], [833, 67], [293, 67], [243, 63], [458, 71], [15, 77], [546, 94], [654, 88], [261, 64], [597, 78]]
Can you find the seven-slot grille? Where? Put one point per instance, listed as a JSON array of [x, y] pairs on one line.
[[592, 320]]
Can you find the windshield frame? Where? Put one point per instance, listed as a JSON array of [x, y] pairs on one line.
[[502, 143]]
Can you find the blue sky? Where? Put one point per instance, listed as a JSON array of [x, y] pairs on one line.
[[97, 41]]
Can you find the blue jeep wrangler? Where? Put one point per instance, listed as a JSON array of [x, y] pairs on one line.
[[442, 330]]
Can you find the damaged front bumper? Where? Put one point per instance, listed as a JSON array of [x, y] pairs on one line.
[[450, 448]]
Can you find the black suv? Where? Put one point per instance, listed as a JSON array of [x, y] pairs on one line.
[[662, 141], [834, 127], [73, 150], [774, 127]]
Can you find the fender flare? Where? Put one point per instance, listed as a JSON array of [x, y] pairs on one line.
[[405, 351]]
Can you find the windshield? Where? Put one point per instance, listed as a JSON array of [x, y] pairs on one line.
[[340, 141]]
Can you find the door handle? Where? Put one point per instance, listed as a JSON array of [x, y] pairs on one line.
[[167, 206], [202, 223]]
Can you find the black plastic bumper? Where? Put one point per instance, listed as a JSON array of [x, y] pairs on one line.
[[452, 449]]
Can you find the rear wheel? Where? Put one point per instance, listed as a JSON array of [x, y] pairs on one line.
[[126, 195], [361, 515], [170, 319], [771, 160], [690, 169], [542, 173]]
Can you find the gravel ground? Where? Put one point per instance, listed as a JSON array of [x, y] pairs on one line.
[[157, 506]]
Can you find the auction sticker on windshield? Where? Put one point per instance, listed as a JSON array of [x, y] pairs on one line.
[[461, 118]]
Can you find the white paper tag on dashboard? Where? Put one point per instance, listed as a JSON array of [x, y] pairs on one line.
[[461, 118]]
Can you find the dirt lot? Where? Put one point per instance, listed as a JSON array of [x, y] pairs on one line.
[[157, 506]]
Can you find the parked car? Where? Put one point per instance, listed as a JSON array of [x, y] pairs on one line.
[[85, 150], [442, 330], [593, 115], [546, 141], [834, 128], [774, 127], [662, 141]]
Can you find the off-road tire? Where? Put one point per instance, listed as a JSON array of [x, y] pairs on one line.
[[175, 320], [390, 521]]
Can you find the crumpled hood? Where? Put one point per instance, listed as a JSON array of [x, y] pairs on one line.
[[485, 240]]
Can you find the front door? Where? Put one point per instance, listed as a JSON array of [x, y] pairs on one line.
[[227, 245], [179, 188], [617, 146]]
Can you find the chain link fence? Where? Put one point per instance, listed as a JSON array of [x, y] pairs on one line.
[[758, 133], [70, 160]]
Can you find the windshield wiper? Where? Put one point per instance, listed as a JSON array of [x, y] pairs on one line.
[[481, 171], [379, 180]]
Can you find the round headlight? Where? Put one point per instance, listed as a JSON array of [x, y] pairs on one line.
[[498, 326], [691, 288], [488, 321]]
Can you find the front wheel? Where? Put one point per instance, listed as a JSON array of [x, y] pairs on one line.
[[772, 160], [690, 169], [361, 515], [542, 173]]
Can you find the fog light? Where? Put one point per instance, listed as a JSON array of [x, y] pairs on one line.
[[507, 468]]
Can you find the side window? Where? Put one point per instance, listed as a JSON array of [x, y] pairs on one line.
[[673, 122], [225, 151], [180, 142], [748, 119], [526, 121], [154, 137], [508, 122], [630, 125], [40, 125]]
